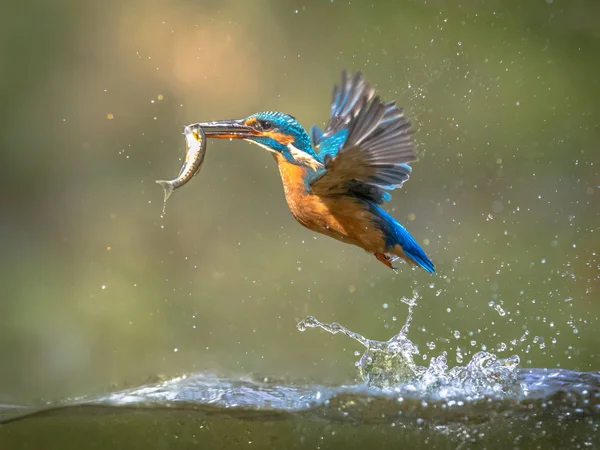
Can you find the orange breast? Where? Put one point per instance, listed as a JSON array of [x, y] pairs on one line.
[[340, 217]]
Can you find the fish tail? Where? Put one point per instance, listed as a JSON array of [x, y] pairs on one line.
[[167, 186]]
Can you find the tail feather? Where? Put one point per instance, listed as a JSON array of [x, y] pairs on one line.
[[420, 258], [411, 249], [396, 234]]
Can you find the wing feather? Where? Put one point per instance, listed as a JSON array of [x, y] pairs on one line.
[[374, 156], [366, 145], [347, 100], [316, 136]]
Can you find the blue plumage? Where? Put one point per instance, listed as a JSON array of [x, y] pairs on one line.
[[382, 135], [395, 233], [375, 138], [336, 178]]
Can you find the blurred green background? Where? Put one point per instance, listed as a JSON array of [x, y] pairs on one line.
[[97, 290]]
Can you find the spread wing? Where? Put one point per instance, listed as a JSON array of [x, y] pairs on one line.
[[366, 144], [346, 102]]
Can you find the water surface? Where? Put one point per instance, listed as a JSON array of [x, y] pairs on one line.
[[552, 409], [487, 402]]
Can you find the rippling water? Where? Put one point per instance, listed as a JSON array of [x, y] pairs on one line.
[[489, 403], [552, 409]]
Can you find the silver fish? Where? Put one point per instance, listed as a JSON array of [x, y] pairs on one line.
[[195, 149]]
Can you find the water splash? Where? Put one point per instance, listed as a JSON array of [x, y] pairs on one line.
[[488, 402], [384, 363], [390, 364], [559, 409]]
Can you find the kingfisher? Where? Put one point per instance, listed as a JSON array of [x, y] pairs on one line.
[[336, 179]]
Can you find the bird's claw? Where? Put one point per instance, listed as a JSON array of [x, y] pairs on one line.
[[386, 260]]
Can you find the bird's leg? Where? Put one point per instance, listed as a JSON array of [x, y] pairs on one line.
[[385, 260]]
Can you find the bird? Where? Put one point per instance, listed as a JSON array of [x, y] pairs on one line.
[[337, 179]]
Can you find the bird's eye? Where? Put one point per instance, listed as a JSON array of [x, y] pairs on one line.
[[265, 124]]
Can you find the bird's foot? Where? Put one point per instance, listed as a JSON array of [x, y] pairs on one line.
[[385, 259]]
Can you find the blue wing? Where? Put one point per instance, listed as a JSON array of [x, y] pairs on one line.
[[366, 144]]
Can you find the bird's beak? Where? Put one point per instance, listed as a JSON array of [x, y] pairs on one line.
[[223, 129]]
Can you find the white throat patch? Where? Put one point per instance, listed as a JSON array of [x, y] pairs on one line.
[[304, 157], [297, 154]]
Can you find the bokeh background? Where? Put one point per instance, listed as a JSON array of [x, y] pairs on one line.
[[97, 290]]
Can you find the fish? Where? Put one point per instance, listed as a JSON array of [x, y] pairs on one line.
[[195, 150]]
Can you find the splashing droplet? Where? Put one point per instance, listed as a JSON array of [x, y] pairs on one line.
[[389, 364]]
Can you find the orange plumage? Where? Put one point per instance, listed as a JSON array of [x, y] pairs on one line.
[[335, 180], [341, 217]]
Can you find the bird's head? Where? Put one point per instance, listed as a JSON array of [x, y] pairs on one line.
[[274, 131]]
